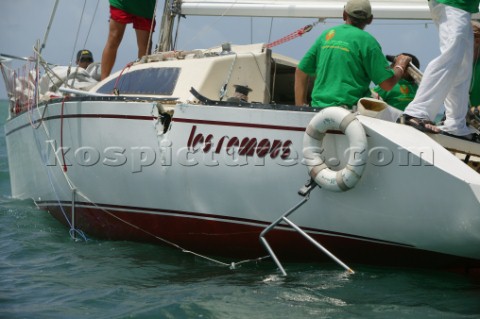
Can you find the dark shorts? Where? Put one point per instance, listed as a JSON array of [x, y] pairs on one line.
[[139, 23]]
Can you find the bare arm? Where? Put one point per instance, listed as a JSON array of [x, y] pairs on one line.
[[400, 67], [301, 82]]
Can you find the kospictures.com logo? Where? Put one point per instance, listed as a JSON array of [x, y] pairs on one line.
[[232, 152]]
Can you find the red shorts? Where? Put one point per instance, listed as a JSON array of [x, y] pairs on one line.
[[139, 23]]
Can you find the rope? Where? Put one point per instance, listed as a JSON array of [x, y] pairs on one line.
[[43, 156], [293, 35], [164, 240], [115, 89], [61, 134], [49, 71], [232, 265], [30, 109], [72, 231], [38, 120]]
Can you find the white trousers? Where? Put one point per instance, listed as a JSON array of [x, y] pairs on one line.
[[446, 79]]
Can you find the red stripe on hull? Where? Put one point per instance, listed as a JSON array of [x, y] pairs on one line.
[[238, 124], [236, 240]]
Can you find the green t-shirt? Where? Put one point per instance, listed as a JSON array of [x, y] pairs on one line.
[[475, 89], [344, 61], [467, 5], [141, 8], [400, 95]]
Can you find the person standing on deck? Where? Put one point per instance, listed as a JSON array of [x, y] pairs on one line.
[[344, 61], [122, 12], [447, 78]]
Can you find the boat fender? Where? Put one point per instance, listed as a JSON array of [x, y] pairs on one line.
[[335, 118]]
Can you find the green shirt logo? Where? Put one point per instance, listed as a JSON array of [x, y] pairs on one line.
[[330, 35]]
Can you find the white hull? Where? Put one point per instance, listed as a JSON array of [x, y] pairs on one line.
[[403, 211]]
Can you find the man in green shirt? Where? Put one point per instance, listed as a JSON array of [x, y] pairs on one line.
[[344, 61], [473, 116], [475, 85], [403, 92]]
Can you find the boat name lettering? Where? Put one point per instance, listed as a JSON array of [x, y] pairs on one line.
[[248, 146]]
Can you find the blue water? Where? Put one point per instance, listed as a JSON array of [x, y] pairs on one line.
[[46, 274]]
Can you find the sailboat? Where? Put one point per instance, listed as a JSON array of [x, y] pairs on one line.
[[163, 151]]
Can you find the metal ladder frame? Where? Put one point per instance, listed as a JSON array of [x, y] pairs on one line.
[[305, 193]]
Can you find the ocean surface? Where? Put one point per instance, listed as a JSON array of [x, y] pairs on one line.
[[44, 273]]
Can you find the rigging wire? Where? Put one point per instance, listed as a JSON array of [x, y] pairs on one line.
[[91, 24], [270, 31], [251, 30], [75, 45], [223, 90], [78, 32], [219, 17], [149, 44], [175, 11], [174, 41]]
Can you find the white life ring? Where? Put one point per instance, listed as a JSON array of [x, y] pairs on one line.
[[335, 118]]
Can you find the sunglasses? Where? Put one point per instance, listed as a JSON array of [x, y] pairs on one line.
[[86, 60]]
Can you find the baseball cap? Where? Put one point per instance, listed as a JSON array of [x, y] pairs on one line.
[[84, 55], [359, 9]]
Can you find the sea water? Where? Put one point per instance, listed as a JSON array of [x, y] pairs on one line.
[[44, 273]]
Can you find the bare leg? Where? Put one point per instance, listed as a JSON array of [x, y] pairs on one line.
[[115, 36], [144, 47]]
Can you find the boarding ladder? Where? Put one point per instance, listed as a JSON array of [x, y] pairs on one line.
[[305, 193]]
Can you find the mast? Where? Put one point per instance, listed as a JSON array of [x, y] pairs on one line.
[[48, 27], [170, 10]]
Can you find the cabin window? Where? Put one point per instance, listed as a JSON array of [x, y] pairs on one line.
[[152, 81]]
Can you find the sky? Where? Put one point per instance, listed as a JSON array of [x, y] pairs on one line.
[[23, 22]]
